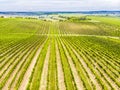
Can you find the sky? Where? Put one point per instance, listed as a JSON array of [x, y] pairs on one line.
[[59, 5]]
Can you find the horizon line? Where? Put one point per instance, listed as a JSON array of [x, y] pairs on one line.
[[68, 11]]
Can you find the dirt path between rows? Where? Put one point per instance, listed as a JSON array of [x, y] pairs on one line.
[[91, 75], [108, 78], [9, 66], [61, 81], [6, 87], [43, 81], [77, 79], [29, 70], [99, 73]]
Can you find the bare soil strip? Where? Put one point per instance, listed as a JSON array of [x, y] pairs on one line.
[[6, 87], [29, 71], [108, 78], [78, 82], [61, 81], [101, 77], [9, 67], [91, 75], [43, 81], [17, 74]]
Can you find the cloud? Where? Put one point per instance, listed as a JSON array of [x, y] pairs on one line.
[[58, 5]]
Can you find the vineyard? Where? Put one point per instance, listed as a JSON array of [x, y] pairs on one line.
[[46, 55]]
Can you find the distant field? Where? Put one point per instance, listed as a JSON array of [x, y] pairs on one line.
[[45, 55], [107, 19]]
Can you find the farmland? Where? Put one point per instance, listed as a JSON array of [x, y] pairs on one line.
[[66, 55]]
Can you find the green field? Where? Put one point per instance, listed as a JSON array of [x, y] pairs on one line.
[[66, 55]]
